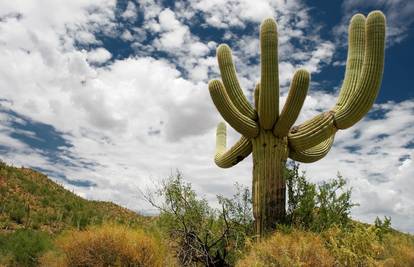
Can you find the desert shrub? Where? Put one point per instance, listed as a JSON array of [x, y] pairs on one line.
[[398, 250], [382, 226], [17, 210], [24, 246], [356, 245], [53, 258], [317, 207], [298, 248], [202, 234], [109, 245], [81, 219], [301, 198]]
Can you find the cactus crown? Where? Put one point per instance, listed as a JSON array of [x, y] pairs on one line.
[[311, 140]]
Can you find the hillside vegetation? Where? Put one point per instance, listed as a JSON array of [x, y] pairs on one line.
[[43, 224], [29, 199]]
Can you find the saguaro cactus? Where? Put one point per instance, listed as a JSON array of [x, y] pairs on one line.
[[270, 135]]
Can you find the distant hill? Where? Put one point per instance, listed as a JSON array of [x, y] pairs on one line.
[[29, 199]]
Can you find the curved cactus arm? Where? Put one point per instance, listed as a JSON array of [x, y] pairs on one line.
[[230, 113], [240, 150], [354, 102], [314, 153], [256, 96], [355, 59], [294, 103], [231, 83], [369, 82], [269, 82], [312, 132]]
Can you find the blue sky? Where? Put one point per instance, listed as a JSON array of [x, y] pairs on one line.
[[110, 96]]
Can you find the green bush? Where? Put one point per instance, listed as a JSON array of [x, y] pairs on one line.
[[23, 247], [382, 226], [317, 207], [17, 211], [357, 245]]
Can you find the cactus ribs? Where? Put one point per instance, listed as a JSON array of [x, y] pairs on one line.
[[270, 136]]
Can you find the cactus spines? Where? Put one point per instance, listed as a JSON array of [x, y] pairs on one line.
[[269, 80], [293, 104], [355, 59], [230, 113], [312, 132], [231, 83], [229, 158], [314, 153], [368, 82], [270, 136]]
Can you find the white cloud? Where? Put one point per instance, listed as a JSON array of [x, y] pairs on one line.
[[99, 55], [85, 38], [322, 54], [130, 12], [399, 14], [127, 36], [229, 13]]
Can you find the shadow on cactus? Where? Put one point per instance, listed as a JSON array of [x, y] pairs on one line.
[[270, 136]]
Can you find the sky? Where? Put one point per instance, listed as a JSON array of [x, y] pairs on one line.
[[109, 97]]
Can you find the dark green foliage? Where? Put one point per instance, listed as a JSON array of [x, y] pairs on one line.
[[301, 198], [202, 234], [334, 204], [317, 207], [23, 247]]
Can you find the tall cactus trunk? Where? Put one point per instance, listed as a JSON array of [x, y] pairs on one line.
[[269, 186]]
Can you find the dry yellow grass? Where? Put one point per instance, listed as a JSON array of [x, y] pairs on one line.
[[294, 249], [398, 250], [107, 245], [361, 246]]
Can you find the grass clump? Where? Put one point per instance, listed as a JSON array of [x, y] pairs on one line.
[[355, 246], [297, 248], [107, 245], [398, 250], [362, 245]]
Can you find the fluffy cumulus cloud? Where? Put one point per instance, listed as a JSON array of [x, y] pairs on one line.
[[105, 123], [99, 55], [130, 12]]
